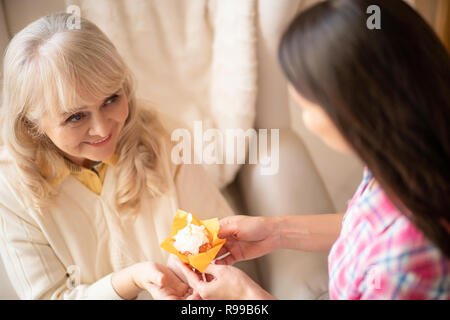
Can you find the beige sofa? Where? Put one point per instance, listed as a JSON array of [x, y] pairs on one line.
[[312, 178]]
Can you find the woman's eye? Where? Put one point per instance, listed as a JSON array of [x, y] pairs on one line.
[[75, 118], [111, 99]]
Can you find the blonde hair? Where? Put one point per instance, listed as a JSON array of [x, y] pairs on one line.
[[48, 68]]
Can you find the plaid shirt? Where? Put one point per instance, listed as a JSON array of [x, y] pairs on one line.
[[380, 254]]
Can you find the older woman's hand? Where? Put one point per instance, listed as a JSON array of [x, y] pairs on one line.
[[160, 281], [227, 283]]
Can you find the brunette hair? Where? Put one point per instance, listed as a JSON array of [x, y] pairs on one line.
[[388, 92]]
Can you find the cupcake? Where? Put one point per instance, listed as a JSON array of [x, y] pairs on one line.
[[195, 242], [192, 239]]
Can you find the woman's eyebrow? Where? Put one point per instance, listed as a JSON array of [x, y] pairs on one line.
[[70, 112]]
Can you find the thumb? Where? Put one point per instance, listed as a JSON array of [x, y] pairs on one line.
[[184, 272], [194, 296], [157, 277], [150, 287], [227, 227], [215, 269]]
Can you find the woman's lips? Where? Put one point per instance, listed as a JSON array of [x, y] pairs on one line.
[[100, 142]]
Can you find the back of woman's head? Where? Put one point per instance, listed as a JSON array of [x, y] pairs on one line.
[[387, 92], [51, 68]]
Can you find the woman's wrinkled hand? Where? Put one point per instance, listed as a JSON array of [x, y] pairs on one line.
[[160, 281]]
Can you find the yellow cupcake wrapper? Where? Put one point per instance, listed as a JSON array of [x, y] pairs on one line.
[[202, 260]]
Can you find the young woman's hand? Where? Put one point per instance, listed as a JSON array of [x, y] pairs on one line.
[[160, 281], [247, 237], [224, 283]]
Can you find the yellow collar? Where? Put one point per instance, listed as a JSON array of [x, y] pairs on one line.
[[87, 177], [74, 168]]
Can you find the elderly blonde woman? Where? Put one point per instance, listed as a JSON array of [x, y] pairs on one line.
[[87, 187]]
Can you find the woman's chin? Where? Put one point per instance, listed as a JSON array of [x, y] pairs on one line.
[[338, 146], [100, 155]]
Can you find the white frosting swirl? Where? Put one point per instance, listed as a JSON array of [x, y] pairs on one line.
[[190, 238]]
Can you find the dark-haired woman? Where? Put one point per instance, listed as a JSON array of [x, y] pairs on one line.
[[384, 95]]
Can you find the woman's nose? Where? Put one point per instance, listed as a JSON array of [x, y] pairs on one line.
[[99, 126]]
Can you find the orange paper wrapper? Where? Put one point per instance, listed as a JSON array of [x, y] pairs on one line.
[[202, 260]]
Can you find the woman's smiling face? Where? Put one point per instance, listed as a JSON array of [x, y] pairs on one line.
[[90, 132]]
